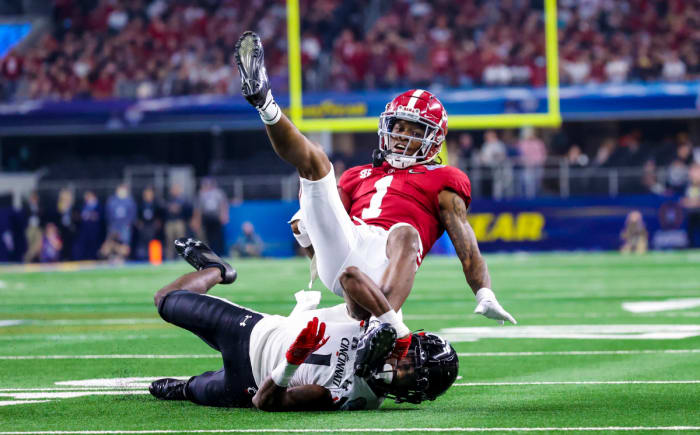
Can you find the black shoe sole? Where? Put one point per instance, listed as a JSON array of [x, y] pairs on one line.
[[380, 347], [200, 256]]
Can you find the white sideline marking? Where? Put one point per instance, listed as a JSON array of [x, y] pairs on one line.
[[115, 356], [584, 332], [656, 306], [20, 402], [68, 389], [70, 394], [581, 352], [500, 384], [142, 382], [84, 337], [9, 322], [373, 429]]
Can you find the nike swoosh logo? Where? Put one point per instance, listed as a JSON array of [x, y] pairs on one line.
[[411, 171]]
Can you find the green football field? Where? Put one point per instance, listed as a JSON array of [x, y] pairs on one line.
[[604, 342]]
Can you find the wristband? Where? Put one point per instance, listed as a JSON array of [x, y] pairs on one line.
[[270, 112], [283, 373], [485, 293], [303, 237], [392, 318]]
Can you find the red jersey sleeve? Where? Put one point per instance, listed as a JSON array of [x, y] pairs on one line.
[[458, 182]]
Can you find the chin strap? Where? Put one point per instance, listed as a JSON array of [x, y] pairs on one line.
[[378, 157]]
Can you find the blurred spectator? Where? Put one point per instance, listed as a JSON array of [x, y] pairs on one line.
[[51, 244], [148, 223], [120, 215], [678, 169], [650, 181], [249, 243], [604, 152], [576, 158], [66, 218], [33, 233], [493, 151], [177, 211], [673, 68], [114, 249], [211, 214], [89, 229], [634, 235], [467, 152], [10, 72], [533, 154], [691, 202]]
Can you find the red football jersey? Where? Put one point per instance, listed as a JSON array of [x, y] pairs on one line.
[[385, 196]]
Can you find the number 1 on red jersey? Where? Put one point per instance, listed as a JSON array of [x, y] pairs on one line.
[[375, 203]]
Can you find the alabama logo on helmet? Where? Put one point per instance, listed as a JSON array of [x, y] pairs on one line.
[[421, 107]]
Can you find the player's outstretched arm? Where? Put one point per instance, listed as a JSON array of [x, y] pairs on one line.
[[287, 141], [274, 394], [453, 213]]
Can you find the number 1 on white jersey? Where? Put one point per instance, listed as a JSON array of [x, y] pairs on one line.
[[375, 203]]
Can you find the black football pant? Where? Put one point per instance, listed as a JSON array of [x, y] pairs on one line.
[[226, 327]]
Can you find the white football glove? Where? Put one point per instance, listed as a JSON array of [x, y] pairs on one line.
[[487, 305]]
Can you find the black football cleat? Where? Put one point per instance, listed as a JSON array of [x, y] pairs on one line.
[[168, 389], [200, 256], [250, 59], [373, 350]]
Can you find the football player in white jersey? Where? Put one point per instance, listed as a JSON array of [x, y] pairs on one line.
[[311, 360]]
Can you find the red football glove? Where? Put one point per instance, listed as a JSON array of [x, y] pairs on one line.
[[309, 339], [401, 347]]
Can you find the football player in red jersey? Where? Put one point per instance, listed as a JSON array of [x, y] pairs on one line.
[[381, 218]]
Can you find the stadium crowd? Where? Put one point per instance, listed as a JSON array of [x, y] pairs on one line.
[[140, 49], [120, 227]]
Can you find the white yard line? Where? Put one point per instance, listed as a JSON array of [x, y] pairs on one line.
[[20, 402], [115, 356], [499, 384], [106, 388], [395, 429]]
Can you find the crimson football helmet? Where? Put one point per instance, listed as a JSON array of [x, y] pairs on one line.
[[419, 106]]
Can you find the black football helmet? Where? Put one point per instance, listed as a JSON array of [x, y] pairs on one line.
[[435, 366]]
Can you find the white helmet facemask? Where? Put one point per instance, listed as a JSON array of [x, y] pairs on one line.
[[426, 152]]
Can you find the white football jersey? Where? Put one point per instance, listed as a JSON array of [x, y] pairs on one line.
[[331, 366]]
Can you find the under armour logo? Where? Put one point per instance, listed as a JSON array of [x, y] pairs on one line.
[[245, 319], [365, 173]]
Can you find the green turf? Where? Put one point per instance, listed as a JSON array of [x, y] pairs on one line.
[[110, 311]]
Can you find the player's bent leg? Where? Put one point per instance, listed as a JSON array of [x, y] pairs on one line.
[[348, 279], [332, 233], [197, 282], [287, 141], [218, 389], [216, 321], [403, 249]]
